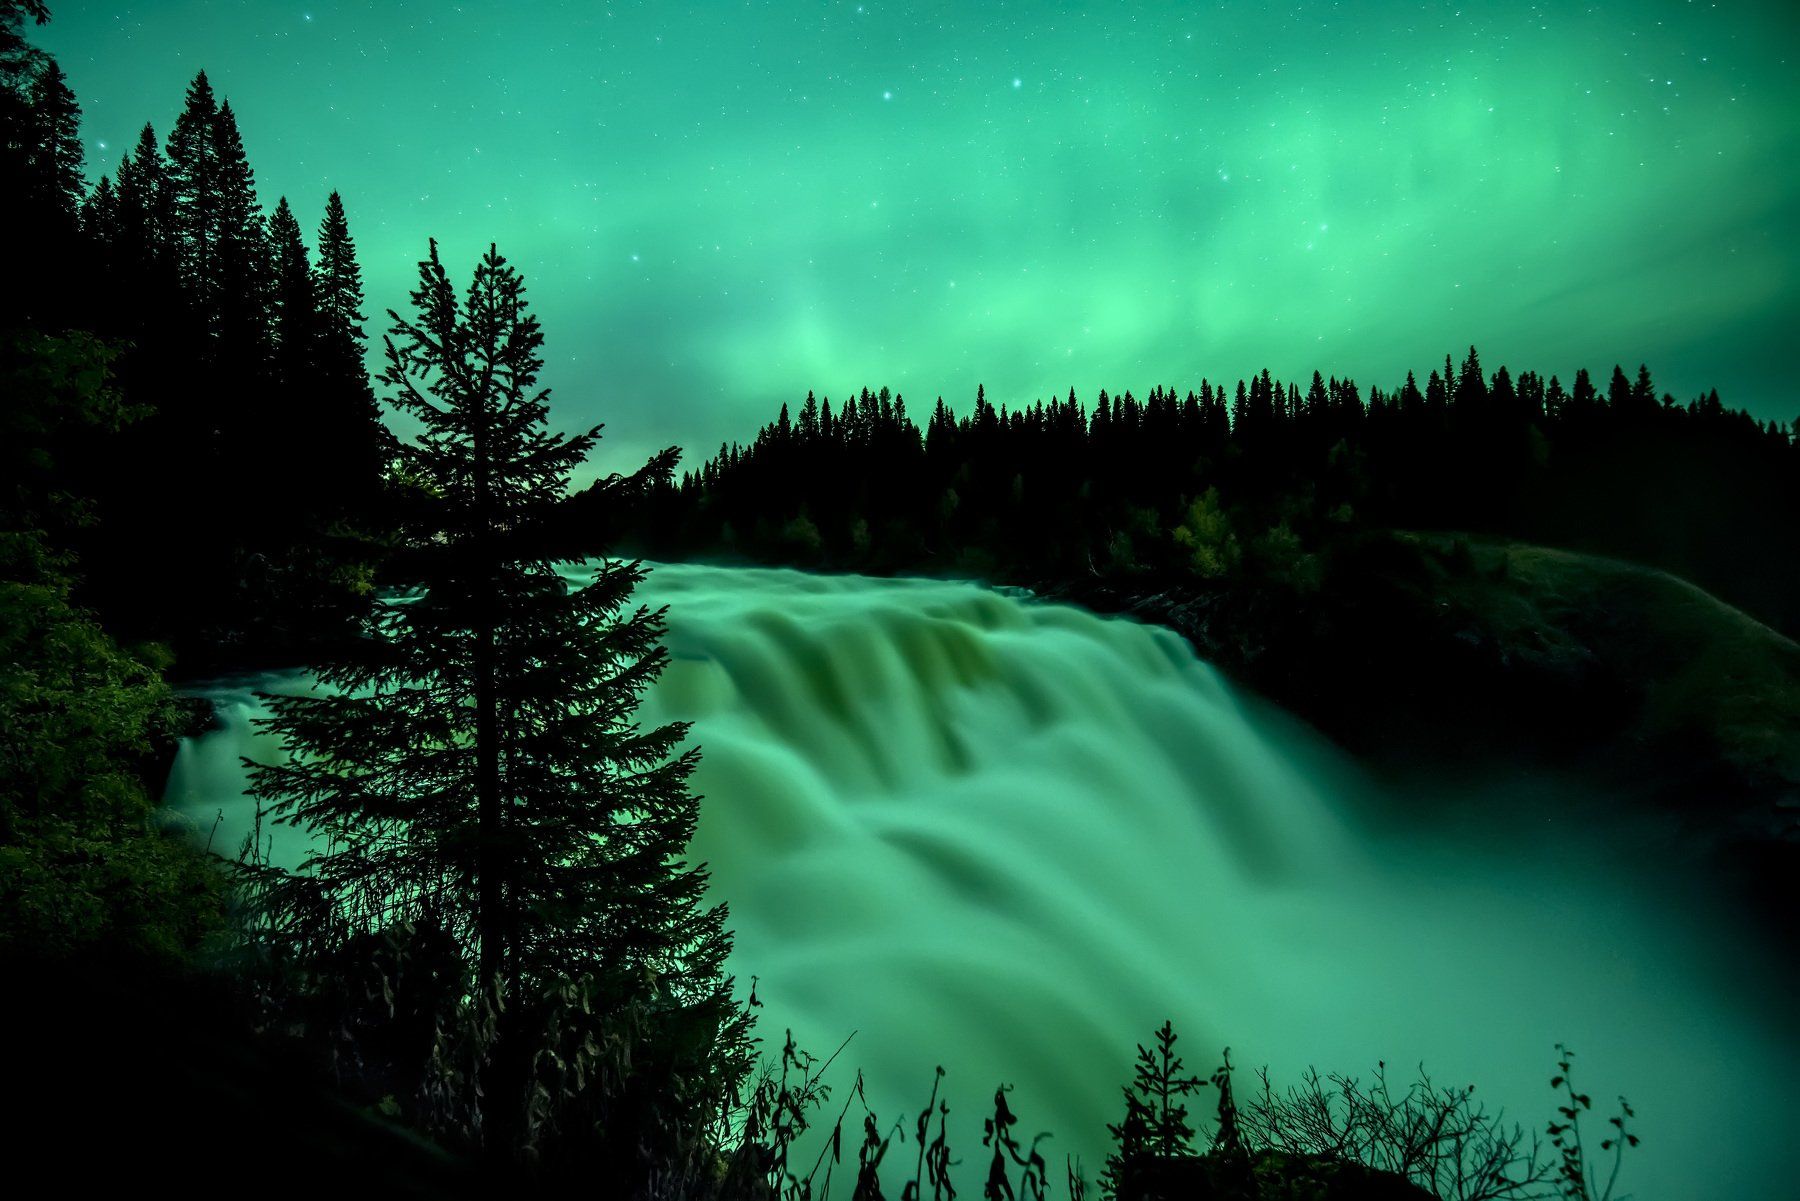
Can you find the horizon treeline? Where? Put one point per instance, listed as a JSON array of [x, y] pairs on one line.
[[1248, 480], [240, 354]]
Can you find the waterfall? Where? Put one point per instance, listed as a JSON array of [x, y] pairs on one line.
[[1011, 837]]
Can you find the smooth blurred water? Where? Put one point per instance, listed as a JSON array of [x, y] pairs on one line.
[[1011, 838]]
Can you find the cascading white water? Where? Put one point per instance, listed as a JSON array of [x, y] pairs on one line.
[[1011, 837]]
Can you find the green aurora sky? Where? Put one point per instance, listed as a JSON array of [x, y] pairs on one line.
[[723, 206]]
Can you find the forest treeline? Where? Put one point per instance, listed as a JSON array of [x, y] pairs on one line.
[[86, 719], [1249, 481], [222, 511]]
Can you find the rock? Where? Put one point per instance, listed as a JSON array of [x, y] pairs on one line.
[[1444, 660], [1269, 1176], [197, 716]]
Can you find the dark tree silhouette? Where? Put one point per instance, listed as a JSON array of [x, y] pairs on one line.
[[193, 199], [245, 362], [358, 443], [295, 307], [1155, 1126], [20, 62], [239, 294], [479, 771], [1252, 487], [55, 157]]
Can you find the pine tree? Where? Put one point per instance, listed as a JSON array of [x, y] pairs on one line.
[[100, 217], [54, 159], [1412, 402], [1643, 391], [20, 62], [193, 198], [1436, 396], [1471, 389], [294, 307], [1555, 399], [1156, 1118], [1505, 397], [144, 222], [480, 772], [349, 412], [1618, 392], [40, 173], [285, 445], [338, 286], [241, 286], [1585, 398], [809, 419]]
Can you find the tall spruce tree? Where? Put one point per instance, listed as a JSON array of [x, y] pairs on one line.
[[294, 446], [294, 307], [338, 287], [1618, 392], [241, 285], [478, 771], [55, 157], [142, 247], [193, 198], [40, 173], [100, 218], [20, 62], [351, 415]]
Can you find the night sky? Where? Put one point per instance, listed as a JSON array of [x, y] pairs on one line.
[[722, 207]]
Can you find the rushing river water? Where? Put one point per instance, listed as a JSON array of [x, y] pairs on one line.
[[1011, 837]]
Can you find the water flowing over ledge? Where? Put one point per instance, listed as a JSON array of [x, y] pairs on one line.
[[1011, 837]]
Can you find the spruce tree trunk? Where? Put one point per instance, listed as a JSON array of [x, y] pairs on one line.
[[487, 735], [487, 792], [502, 1100]]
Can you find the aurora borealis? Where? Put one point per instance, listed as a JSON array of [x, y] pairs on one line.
[[721, 207]]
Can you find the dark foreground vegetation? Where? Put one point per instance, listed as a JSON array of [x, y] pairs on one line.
[[498, 975]]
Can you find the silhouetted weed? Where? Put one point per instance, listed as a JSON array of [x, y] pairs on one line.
[[1574, 1179]]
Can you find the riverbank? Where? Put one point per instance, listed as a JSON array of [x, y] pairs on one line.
[[1448, 658]]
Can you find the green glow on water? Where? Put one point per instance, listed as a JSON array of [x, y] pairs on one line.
[[1011, 838]]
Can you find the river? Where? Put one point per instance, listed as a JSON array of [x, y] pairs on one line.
[[1011, 837]]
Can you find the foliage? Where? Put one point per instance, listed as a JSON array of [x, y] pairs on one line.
[[1156, 1117], [933, 1163], [1251, 484], [1324, 1138], [1575, 1177], [1330, 1133], [60, 396], [765, 1127], [473, 769], [997, 1132], [83, 866], [241, 369], [1207, 533], [1440, 1138]]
